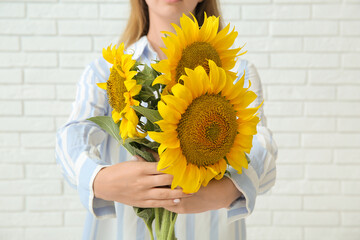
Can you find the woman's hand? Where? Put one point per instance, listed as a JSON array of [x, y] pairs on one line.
[[217, 194], [137, 183]]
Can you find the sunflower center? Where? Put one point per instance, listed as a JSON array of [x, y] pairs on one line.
[[116, 89], [207, 130], [198, 53]]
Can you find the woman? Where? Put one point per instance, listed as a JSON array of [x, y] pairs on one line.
[[109, 185]]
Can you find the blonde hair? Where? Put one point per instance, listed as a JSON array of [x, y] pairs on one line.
[[138, 23]]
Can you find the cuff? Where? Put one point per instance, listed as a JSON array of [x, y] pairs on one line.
[[87, 170], [247, 183]]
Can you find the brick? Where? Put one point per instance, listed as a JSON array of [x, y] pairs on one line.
[[301, 187], [231, 12], [9, 140], [57, 233], [274, 233], [115, 11], [342, 172], [65, 92], [304, 60], [58, 44], [267, 202], [350, 219], [267, 44], [27, 124], [46, 203], [276, 12], [304, 28], [74, 218], [350, 28], [9, 108], [90, 27], [305, 1], [10, 76], [12, 10], [331, 108], [11, 171], [348, 92], [331, 44], [101, 42], [301, 93], [331, 203], [302, 124], [310, 219], [75, 11], [56, 108], [251, 28], [287, 109], [350, 187], [289, 171], [27, 92], [283, 77], [26, 27], [29, 140], [287, 139], [334, 76], [17, 155], [77, 60], [259, 218], [12, 233], [28, 59], [30, 187], [9, 43], [336, 11], [304, 155], [351, 60], [43, 171], [331, 140], [260, 60], [11, 204], [347, 155], [332, 233], [52, 76], [348, 124], [27, 219]]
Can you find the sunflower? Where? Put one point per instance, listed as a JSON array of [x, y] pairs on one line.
[[192, 46], [206, 125], [121, 88]]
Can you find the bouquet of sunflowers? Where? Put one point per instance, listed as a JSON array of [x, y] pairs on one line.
[[189, 105]]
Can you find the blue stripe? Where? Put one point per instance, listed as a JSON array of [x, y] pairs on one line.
[[58, 158], [103, 211], [120, 221], [96, 228], [190, 227], [88, 226], [140, 229], [237, 211], [214, 227]]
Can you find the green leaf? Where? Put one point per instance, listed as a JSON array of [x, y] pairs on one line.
[[148, 215], [151, 115], [108, 124], [146, 76]]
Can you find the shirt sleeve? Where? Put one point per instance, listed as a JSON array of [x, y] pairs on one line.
[[80, 143], [261, 173]]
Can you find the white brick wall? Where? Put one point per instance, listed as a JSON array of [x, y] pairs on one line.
[[308, 56]]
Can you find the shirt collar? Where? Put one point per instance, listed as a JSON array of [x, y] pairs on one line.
[[141, 49]]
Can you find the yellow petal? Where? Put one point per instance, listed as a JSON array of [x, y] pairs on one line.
[[102, 85]]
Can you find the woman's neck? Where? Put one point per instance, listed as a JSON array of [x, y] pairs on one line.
[[157, 25]]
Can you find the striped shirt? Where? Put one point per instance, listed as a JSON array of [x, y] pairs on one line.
[[82, 149]]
